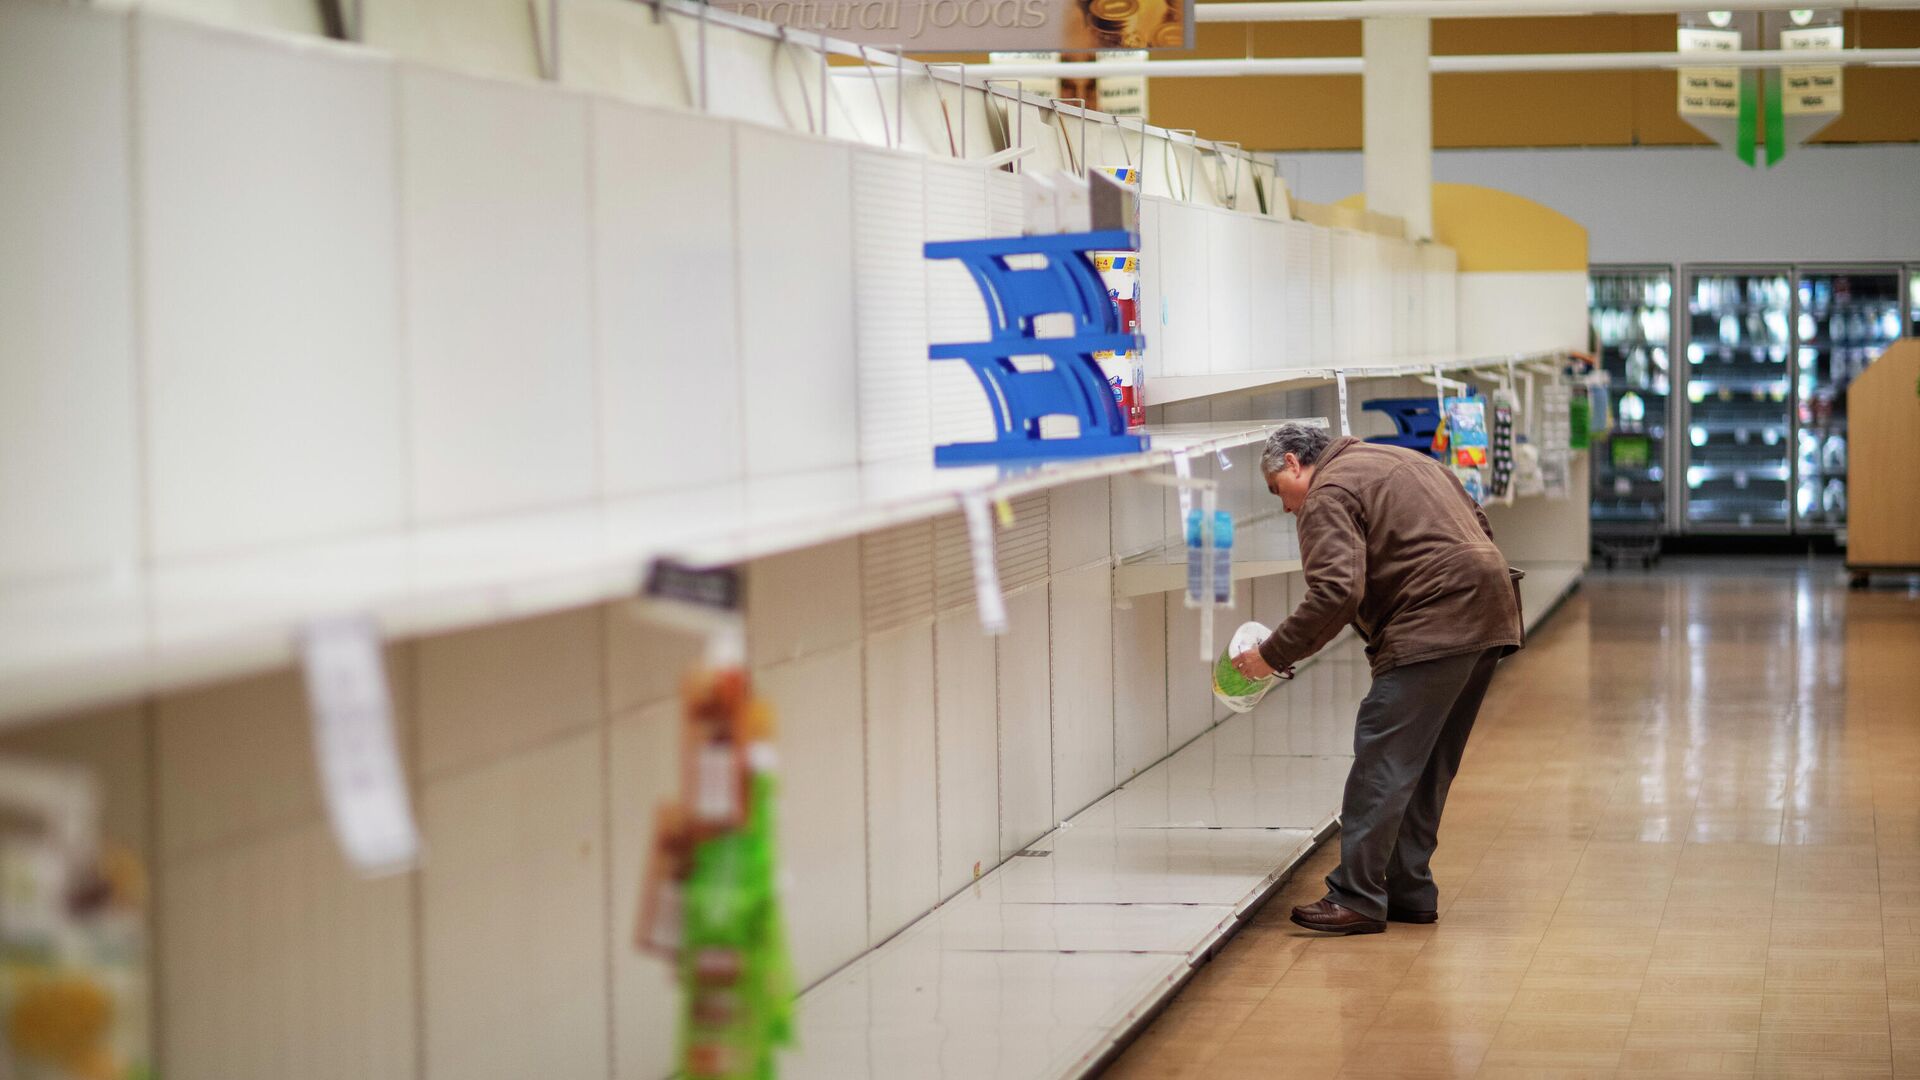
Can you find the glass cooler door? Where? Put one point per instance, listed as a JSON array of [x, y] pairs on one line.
[[1631, 312], [1739, 421], [1845, 320]]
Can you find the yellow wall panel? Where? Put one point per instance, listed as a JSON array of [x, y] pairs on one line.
[[1494, 231]]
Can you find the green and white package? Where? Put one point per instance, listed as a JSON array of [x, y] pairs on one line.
[[1236, 691]]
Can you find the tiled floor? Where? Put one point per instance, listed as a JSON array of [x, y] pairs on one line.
[[1685, 842]]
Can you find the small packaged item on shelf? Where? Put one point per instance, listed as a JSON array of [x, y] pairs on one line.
[[1500, 448], [710, 898], [1528, 482], [1197, 564], [1474, 483], [1467, 431], [74, 983], [1125, 371], [732, 952], [1833, 457], [1234, 690]]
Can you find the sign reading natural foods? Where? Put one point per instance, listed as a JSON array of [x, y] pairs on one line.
[[1772, 109], [985, 25]]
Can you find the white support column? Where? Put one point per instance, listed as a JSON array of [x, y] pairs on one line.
[[1397, 104]]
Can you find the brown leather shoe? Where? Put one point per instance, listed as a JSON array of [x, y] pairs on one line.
[[1330, 918], [1395, 914]]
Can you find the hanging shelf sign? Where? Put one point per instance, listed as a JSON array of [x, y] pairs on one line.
[[1020, 392], [928, 26]]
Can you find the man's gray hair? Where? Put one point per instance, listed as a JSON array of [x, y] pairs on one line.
[[1303, 442]]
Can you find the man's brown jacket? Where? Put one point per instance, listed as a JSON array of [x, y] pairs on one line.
[[1392, 544]]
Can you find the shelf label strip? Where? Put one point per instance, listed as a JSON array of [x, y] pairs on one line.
[[353, 739], [1340, 381], [1183, 468], [986, 575]]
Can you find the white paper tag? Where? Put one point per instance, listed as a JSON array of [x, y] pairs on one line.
[[1183, 468], [1340, 381], [717, 798], [986, 574], [353, 739], [669, 923]]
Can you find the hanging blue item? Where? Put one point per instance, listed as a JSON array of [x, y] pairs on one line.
[[1074, 386]]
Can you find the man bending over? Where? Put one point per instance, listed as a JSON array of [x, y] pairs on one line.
[[1392, 544]]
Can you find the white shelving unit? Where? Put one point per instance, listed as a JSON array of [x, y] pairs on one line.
[[1168, 389], [460, 346]]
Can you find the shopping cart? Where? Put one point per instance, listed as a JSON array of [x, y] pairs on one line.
[[1616, 542]]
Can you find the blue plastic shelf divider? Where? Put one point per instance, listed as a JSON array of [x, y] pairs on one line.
[[1067, 284], [1415, 421]]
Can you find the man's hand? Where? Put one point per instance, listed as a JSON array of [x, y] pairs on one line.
[[1253, 665]]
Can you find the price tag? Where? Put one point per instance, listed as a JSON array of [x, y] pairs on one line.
[[1183, 468], [705, 601], [986, 575], [353, 739], [1340, 381]]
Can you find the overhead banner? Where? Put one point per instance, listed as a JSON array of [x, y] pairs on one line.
[[932, 26]]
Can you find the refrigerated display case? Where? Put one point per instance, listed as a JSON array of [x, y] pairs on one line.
[[1737, 339], [1845, 318], [1631, 311]]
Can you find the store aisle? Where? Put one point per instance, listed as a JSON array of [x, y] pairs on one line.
[[1685, 842]]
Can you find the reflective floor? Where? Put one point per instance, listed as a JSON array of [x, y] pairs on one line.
[[1685, 842]]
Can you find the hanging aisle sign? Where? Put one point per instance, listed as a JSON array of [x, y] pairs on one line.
[[985, 25], [1722, 102], [1709, 91], [1808, 97], [1771, 110]]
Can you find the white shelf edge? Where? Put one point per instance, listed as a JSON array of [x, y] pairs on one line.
[[66, 647], [1145, 579], [1170, 389], [1164, 568]]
